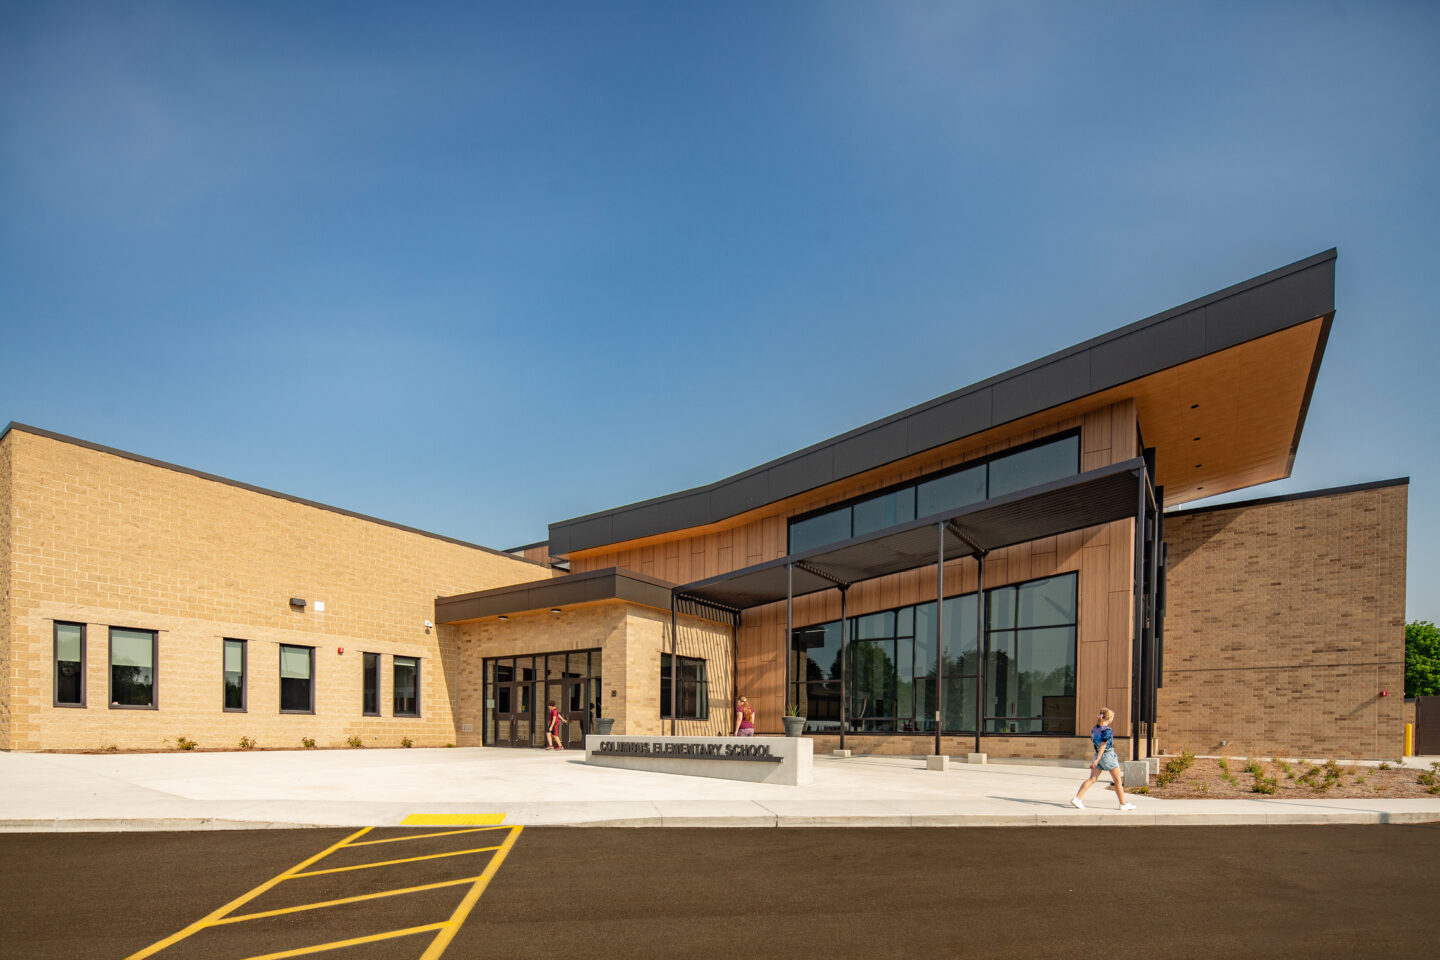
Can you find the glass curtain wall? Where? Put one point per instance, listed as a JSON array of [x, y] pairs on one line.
[[890, 662]]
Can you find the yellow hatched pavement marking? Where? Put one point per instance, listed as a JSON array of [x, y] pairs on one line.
[[457, 919], [335, 903], [336, 944], [451, 819], [243, 899], [386, 863], [422, 836]]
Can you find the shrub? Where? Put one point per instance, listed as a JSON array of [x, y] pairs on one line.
[[1252, 767], [1140, 790], [247, 743], [1383, 766], [354, 741], [308, 743], [1427, 779], [1174, 768], [185, 743], [406, 742], [449, 744]]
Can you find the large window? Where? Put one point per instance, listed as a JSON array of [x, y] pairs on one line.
[[407, 686], [297, 679], [995, 476], [132, 668], [1030, 657], [370, 695], [233, 669], [693, 702], [890, 665], [69, 664]]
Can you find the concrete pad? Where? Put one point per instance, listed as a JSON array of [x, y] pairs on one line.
[[216, 791]]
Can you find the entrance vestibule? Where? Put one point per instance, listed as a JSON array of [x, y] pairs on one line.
[[517, 690]]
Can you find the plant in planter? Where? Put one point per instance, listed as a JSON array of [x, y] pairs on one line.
[[794, 722], [603, 724]]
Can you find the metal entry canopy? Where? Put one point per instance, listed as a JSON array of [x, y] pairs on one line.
[[1061, 506]]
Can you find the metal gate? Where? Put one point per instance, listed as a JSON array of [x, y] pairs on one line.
[[1427, 726]]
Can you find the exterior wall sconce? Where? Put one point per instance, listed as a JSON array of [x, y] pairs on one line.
[[297, 602], [554, 609], [502, 617]]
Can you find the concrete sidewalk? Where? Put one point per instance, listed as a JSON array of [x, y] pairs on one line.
[[177, 791]]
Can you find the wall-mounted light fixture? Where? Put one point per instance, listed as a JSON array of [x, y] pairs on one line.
[[428, 624], [297, 602], [554, 609], [502, 617]]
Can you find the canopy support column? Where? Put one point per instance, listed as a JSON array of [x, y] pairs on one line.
[[979, 648], [674, 664], [844, 673], [939, 631], [789, 631]]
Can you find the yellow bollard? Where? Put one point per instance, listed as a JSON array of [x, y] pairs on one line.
[[1409, 739]]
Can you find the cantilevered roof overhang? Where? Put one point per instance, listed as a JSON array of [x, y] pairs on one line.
[[1221, 385], [1089, 499]]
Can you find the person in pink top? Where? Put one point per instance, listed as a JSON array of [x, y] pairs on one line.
[[552, 728], [744, 718]]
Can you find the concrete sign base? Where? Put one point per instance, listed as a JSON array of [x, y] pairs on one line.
[[788, 760]]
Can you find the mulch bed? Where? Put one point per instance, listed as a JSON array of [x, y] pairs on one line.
[[1231, 780]]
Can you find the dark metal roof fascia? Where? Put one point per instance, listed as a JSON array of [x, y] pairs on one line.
[[611, 583], [1287, 497], [149, 461], [1074, 503], [1237, 314]]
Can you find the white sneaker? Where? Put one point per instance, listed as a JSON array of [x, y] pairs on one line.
[[1075, 802], [1127, 806]]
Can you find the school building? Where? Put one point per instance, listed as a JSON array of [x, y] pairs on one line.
[[982, 572]]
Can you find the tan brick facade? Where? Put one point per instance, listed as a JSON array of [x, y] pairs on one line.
[[1285, 622], [108, 541], [631, 638]]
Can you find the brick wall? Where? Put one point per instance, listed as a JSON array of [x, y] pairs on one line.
[[108, 541], [6, 627], [1284, 622]]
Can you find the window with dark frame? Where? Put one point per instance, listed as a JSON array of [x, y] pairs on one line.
[[1030, 654], [693, 702], [370, 697], [1027, 466], [69, 664], [233, 671], [406, 672], [133, 668], [297, 679]]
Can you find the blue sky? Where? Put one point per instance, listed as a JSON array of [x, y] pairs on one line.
[[478, 267]]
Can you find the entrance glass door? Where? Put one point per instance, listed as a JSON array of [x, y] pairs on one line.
[[517, 690]]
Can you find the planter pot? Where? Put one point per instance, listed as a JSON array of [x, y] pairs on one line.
[[794, 726], [603, 725]]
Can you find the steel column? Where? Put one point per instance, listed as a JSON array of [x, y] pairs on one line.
[[1139, 614], [844, 673], [789, 630], [674, 664], [939, 630], [979, 647], [1152, 632]]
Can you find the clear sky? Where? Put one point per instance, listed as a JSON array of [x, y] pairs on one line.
[[477, 267]]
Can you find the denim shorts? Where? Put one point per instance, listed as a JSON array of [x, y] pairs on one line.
[[1108, 760]]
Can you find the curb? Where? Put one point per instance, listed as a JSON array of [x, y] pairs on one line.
[[1079, 819]]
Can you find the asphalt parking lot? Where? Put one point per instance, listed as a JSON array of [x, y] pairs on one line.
[[1305, 891]]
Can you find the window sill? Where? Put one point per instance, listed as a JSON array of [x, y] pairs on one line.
[[133, 706]]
